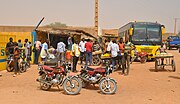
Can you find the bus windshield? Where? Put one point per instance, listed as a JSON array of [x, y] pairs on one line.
[[153, 33], [146, 34], [139, 33]]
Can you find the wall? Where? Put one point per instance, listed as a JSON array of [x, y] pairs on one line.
[[4, 39]]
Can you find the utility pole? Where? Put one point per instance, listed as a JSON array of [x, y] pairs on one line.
[[96, 17], [175, 25]]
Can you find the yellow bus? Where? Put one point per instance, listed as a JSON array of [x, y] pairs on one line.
[[146, 36]]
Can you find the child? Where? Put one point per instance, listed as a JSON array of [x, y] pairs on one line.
[[16, 59], [162, 51]]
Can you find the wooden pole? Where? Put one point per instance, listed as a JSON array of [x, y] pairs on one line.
[[96, 17]]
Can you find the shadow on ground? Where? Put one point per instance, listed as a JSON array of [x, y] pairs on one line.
[[160, 70], [174, 77]]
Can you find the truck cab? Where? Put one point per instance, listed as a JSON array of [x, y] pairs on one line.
[[173, 42]]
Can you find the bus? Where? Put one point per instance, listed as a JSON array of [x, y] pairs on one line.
[[146, 36]]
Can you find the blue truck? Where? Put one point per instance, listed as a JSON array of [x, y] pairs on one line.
[[173, 42]]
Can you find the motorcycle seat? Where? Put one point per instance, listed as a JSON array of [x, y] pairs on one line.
[[47, 68], [90, 69], [100, 70], [96, 70]]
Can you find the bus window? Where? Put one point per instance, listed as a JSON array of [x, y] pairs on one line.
[[139, 33], [153, 33]]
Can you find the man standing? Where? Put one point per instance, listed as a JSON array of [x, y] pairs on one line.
[[27, 48], [61, 52], [10, 47], [20, 44], [82, 49], [27, 51], [88, 53], [127, 53], [75, 54], [37, 50], [44, 50], [16, 59], [109, 45], [121, 48], [114, 48], [70, 43]]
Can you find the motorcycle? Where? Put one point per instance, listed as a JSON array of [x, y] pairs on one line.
[[59, 76], [99, 76], [143, 56], [10, 65]]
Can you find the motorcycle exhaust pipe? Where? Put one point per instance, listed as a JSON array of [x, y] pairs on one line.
[[84, 79], [39, 80]]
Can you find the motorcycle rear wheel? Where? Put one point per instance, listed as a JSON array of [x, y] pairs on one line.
[[22, 67], [44, 86], [96, 60], [105, 86], [72, 86]]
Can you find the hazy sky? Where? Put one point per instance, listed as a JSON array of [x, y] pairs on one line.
[[112, 13]]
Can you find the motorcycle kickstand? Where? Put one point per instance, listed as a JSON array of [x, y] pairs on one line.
[[58, 87]]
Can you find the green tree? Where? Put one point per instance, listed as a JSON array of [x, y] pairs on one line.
[[57, 24]]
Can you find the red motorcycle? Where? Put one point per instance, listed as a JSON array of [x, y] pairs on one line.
[[143, 57], [99, 76], [59, 76]]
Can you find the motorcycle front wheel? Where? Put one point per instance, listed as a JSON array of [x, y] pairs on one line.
[[72, 86], [144, 59], [9, 67], [108, 86]]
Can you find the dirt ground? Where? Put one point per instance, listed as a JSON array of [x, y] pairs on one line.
[[142, 86]]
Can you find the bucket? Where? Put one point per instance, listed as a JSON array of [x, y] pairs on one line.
[[68, 55]]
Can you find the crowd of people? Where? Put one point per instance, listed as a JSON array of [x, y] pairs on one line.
[[80, 50], [120, 50], [13, 49]]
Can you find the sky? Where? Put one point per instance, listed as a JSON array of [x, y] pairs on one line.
[[112, 13]]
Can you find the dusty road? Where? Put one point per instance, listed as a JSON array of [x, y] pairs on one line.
[[142, 86]]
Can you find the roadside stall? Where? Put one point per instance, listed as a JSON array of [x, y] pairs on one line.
[[56, 35]]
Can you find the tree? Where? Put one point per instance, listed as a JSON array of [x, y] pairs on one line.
[[57, 24]]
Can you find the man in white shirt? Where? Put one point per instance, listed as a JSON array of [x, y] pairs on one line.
[[114, 48], [61, 52], [109, 46], [44, 50], [82, 49], [27, 50]]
